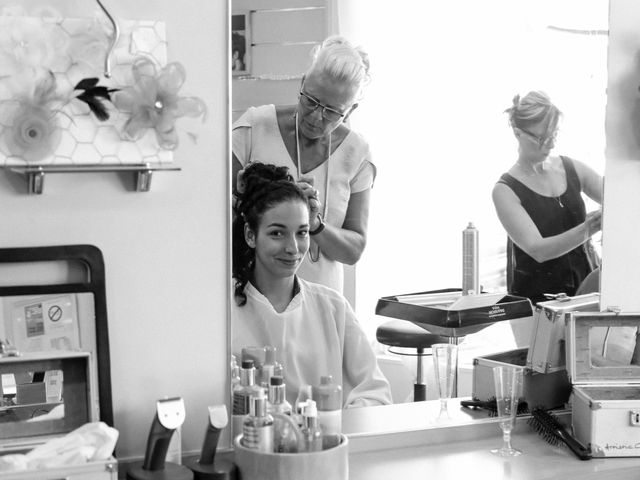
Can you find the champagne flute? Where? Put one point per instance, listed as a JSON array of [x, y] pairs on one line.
[[508, 384], [445, 360]]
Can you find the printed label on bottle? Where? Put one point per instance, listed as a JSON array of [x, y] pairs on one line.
[[240, 403], [258, 438]]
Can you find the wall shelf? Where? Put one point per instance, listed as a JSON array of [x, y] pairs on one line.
[[143, 173]]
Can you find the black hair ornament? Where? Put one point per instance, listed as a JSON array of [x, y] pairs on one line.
[[94, 96]]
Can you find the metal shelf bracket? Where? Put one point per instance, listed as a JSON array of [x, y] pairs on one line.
[[36, 174]]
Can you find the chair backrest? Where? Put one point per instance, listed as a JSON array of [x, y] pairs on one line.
[[590, 284]]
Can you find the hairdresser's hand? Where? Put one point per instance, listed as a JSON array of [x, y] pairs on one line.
[[593, 222], [306, 185], [240, 185]]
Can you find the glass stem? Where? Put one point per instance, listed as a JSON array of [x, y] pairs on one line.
[[506, 438]]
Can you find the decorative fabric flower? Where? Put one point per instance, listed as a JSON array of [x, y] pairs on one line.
[[30, 43], [153, 102], [34, 134], [31, 130]]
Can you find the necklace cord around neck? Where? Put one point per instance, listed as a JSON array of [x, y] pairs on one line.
[[325, 205]]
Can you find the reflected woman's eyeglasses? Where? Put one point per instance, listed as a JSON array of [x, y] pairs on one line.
[[542, 141], [328, 113]]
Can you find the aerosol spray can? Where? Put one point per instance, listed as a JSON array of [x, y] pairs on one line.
[[470, 270]]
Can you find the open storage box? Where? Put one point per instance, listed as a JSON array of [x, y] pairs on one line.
[[54, 364], [546, 383], [603, 367]]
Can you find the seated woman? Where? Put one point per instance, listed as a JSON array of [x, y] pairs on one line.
[[312, 326]]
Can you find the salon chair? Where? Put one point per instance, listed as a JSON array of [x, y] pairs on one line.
[[590, 284], [405, 334]]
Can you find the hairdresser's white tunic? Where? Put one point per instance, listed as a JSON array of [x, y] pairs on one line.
[[257, 138], [318, 334]]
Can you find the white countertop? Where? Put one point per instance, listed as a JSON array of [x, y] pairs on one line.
[[473, 460], [406, 441]]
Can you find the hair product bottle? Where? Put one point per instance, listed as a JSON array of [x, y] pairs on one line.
[[242, 395], [286, 435], [470, 270], [277, 396], [328, 398], [268, 368], [311, 432], [235, 373], [257, 428], [304, 394]]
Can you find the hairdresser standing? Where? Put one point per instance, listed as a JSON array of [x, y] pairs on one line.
[[331, 162], [539, 203]]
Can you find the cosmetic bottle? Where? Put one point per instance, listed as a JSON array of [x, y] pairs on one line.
[[270, 366], [235, 373], [271, 354], [242, 395], [287, 436], [277, 396], [267, 369], [257, 428], [311, 432], [256, 354], [470, 269], [304, 394], [328, 398]]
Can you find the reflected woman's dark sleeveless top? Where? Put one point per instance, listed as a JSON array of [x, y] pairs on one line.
[[552, 216]]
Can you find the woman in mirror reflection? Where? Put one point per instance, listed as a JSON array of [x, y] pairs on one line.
[[330, 161], [539, 203], [312, 326]]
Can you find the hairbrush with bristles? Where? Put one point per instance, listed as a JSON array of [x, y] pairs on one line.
[[548, 426], [491, 406]]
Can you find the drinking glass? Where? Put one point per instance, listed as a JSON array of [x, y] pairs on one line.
[[508, 383], [445, 362]]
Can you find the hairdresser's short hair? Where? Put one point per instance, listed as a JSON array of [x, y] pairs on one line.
[[342, 61]]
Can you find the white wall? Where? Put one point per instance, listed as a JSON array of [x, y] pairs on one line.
[[165, 250]]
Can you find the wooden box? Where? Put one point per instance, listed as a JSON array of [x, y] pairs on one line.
[[602, 361]]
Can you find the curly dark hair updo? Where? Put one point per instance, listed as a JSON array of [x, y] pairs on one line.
[[262, 187]]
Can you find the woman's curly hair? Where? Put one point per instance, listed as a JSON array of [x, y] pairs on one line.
[[261, 187]]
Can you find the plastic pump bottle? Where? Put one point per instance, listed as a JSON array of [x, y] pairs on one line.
[[328, 397], [311, 432], [304, 394], [257, 428]]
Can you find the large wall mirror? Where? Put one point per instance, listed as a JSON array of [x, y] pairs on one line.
[[433, 116]]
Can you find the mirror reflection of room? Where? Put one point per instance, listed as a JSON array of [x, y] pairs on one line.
[[614, 346], [429, 184], [33, 325], [28, 396]]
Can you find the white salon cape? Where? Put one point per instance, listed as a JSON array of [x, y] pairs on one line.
[[318, 334]]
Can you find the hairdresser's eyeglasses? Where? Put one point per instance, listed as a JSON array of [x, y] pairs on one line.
[[542, 141], [328, 113]]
